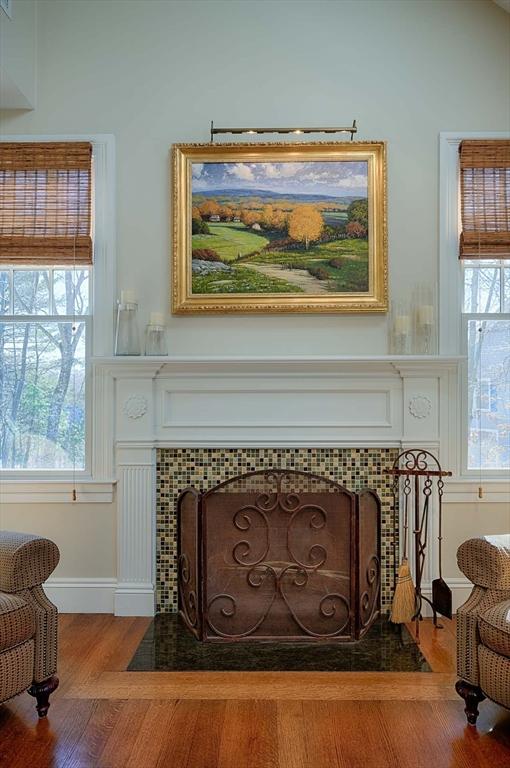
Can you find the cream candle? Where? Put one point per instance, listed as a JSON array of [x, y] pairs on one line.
[[426, 314], [127, 297], [157, 318], [402, 324]]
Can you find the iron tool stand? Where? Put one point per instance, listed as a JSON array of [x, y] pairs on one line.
[[409, 468]]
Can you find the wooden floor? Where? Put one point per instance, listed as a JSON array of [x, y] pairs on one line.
[[106, 717]]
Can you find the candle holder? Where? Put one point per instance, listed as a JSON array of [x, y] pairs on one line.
[[155, 341], [127, 336], [401, 328], [425, 336]]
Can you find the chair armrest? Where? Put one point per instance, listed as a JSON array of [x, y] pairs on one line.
[[486, 561], [26, 561]]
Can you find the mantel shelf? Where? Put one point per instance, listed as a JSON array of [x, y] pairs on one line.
[[274, 359]]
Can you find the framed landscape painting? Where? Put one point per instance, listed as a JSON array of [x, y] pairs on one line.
[[295, 227]]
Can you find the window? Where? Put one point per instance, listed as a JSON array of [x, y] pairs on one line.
[[486, 330], [485, 259], [45, 303]]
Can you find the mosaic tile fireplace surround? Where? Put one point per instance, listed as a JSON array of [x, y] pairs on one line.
[[177, 468]]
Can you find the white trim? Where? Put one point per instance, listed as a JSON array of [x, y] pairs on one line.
[[458, 491], [134, 599], [55, 492], [81, 595]]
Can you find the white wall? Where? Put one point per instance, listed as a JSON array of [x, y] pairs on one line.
[[156, 72], [18, 46], [84, 533]]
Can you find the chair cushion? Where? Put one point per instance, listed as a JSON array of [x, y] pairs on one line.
[[494, 628], [17, 621]]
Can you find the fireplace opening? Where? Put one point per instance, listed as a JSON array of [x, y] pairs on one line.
[[279, 555]]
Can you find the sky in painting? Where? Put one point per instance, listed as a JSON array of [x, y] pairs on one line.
[[337, 179]]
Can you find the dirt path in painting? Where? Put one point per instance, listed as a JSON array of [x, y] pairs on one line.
[[301, 278]]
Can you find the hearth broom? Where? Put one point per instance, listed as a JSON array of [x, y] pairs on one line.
[[404, 599]]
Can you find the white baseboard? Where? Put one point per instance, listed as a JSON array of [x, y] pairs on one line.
[[75, 595], [79, 595], [133, 599]]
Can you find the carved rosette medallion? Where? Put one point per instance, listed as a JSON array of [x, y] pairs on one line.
[[420, 406], [135, 406]]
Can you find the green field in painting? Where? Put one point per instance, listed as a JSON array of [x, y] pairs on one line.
[[241, 280], [230, 240]]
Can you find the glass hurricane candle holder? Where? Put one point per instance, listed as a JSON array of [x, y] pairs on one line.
[[424, 320], [155, 336], [127, 336], [401, 328]]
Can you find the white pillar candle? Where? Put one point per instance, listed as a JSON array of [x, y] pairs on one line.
[[426, 315], [157, 318], [127, 297], [402, 324]]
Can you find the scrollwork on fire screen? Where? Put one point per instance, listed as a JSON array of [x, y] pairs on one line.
[[369, 596], [281, 578]]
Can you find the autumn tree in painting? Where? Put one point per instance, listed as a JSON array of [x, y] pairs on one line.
[[249, 218], [267, 216], [210, 208], [358, 211], [279, 219], [305, 224], [355, 229]]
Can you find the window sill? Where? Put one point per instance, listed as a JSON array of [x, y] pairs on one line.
[[461, 491], [32, 491]]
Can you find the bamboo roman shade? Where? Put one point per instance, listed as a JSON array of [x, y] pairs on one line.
[[485, 199], [45, 203]]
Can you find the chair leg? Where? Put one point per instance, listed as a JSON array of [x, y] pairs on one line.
[[41, 693], [472, 695]]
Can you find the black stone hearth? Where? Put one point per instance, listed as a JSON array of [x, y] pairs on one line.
[[169, 647]]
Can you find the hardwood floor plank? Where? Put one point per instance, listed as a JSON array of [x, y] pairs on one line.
[[292, 743], [368, 743], [121, 741], [320, 746], [249, 737], [152, 734], [97, 731], [178, 743], [206, 740]]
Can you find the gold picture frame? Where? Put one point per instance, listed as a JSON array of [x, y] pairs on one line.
[[271, 252]]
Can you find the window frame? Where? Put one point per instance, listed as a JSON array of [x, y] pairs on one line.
[[453, 321], [100, 323]]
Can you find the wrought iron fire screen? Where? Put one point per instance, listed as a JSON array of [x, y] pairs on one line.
[[279, 555]]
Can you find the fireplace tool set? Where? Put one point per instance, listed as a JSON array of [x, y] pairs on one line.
[[418, 483]]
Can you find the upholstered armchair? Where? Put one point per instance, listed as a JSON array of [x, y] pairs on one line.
[[28, 620], [483, 624]]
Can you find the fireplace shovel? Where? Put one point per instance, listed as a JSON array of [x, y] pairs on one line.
[[441, 592]]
